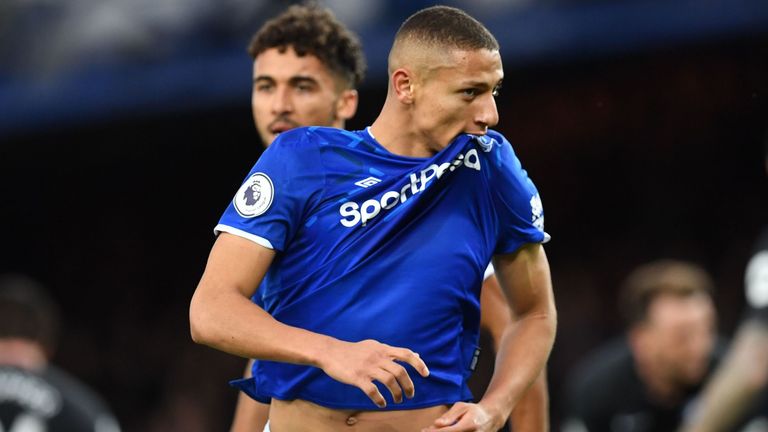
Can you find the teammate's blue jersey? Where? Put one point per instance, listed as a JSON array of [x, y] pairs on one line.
[[373, 245]]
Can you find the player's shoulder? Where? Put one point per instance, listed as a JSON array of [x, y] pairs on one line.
[[312, 136], [500, 153], [493, 139], [495, 145], [496, 136], [290, 139], [74, 389]]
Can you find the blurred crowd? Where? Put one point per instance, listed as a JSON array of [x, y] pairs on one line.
[[44, 37]]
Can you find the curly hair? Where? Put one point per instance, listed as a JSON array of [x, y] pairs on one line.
[[309, 29]]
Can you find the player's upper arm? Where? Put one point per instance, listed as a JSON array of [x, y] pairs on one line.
[[525, 280], [234, 271], [236, 263]]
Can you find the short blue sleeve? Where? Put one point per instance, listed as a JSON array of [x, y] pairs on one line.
[[270, 204], [516, 199]]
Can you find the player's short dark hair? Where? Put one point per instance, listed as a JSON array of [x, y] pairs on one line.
[[663, 277], [447, 26], [27, 311], [310, 29]]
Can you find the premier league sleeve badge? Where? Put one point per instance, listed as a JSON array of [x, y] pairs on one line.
[[255, 196]]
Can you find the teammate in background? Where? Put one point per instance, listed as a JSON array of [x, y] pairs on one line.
[[733, 389], [306, 70], [644, 382], [445, 69], [35, 395]]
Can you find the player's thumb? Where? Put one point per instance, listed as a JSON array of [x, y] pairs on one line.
[[452, 415]]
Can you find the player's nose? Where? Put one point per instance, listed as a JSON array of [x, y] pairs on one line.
[[487, 114], [282, 101]]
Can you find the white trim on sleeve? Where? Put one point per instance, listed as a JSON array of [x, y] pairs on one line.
[[220, 228], [489, 271]]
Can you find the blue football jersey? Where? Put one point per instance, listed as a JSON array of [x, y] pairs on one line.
[[373, 245]]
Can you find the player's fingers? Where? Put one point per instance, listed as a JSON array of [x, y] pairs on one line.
[[412, 358], [402, 377], [373, 393], [461, 426], [452, 416], [390, 382]]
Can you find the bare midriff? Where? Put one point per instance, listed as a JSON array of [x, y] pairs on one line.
[[302, 416]]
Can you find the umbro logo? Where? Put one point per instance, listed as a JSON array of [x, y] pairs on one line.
[[367, 182]]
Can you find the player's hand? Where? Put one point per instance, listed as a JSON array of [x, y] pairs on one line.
[[361, 363], [466, 417]]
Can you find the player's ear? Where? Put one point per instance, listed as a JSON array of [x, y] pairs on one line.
[[346, 105], [403, 82]]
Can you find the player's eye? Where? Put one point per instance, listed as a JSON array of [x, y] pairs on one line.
[[496, 90], [263, 87], [305, 87], [470, 92]]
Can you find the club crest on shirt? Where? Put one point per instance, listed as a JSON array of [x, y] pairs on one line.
[[486, 142], [255, 196]]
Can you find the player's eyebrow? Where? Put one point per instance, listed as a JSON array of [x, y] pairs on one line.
[[302, 79], [297, 79], [267, 78], [480, 84], [475, 84]]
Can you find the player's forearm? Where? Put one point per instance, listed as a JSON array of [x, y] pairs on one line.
[[531, 413], [523, 352], [229, 322]]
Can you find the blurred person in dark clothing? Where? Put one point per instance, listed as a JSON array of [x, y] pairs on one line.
[[735, 387], [34, 394], [646, 381]]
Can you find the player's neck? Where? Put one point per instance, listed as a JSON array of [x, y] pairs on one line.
[[396, 133]]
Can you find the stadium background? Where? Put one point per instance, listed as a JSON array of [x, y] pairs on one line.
[[125, 127]]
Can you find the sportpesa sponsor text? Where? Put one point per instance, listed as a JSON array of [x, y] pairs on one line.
[[353, 213]]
